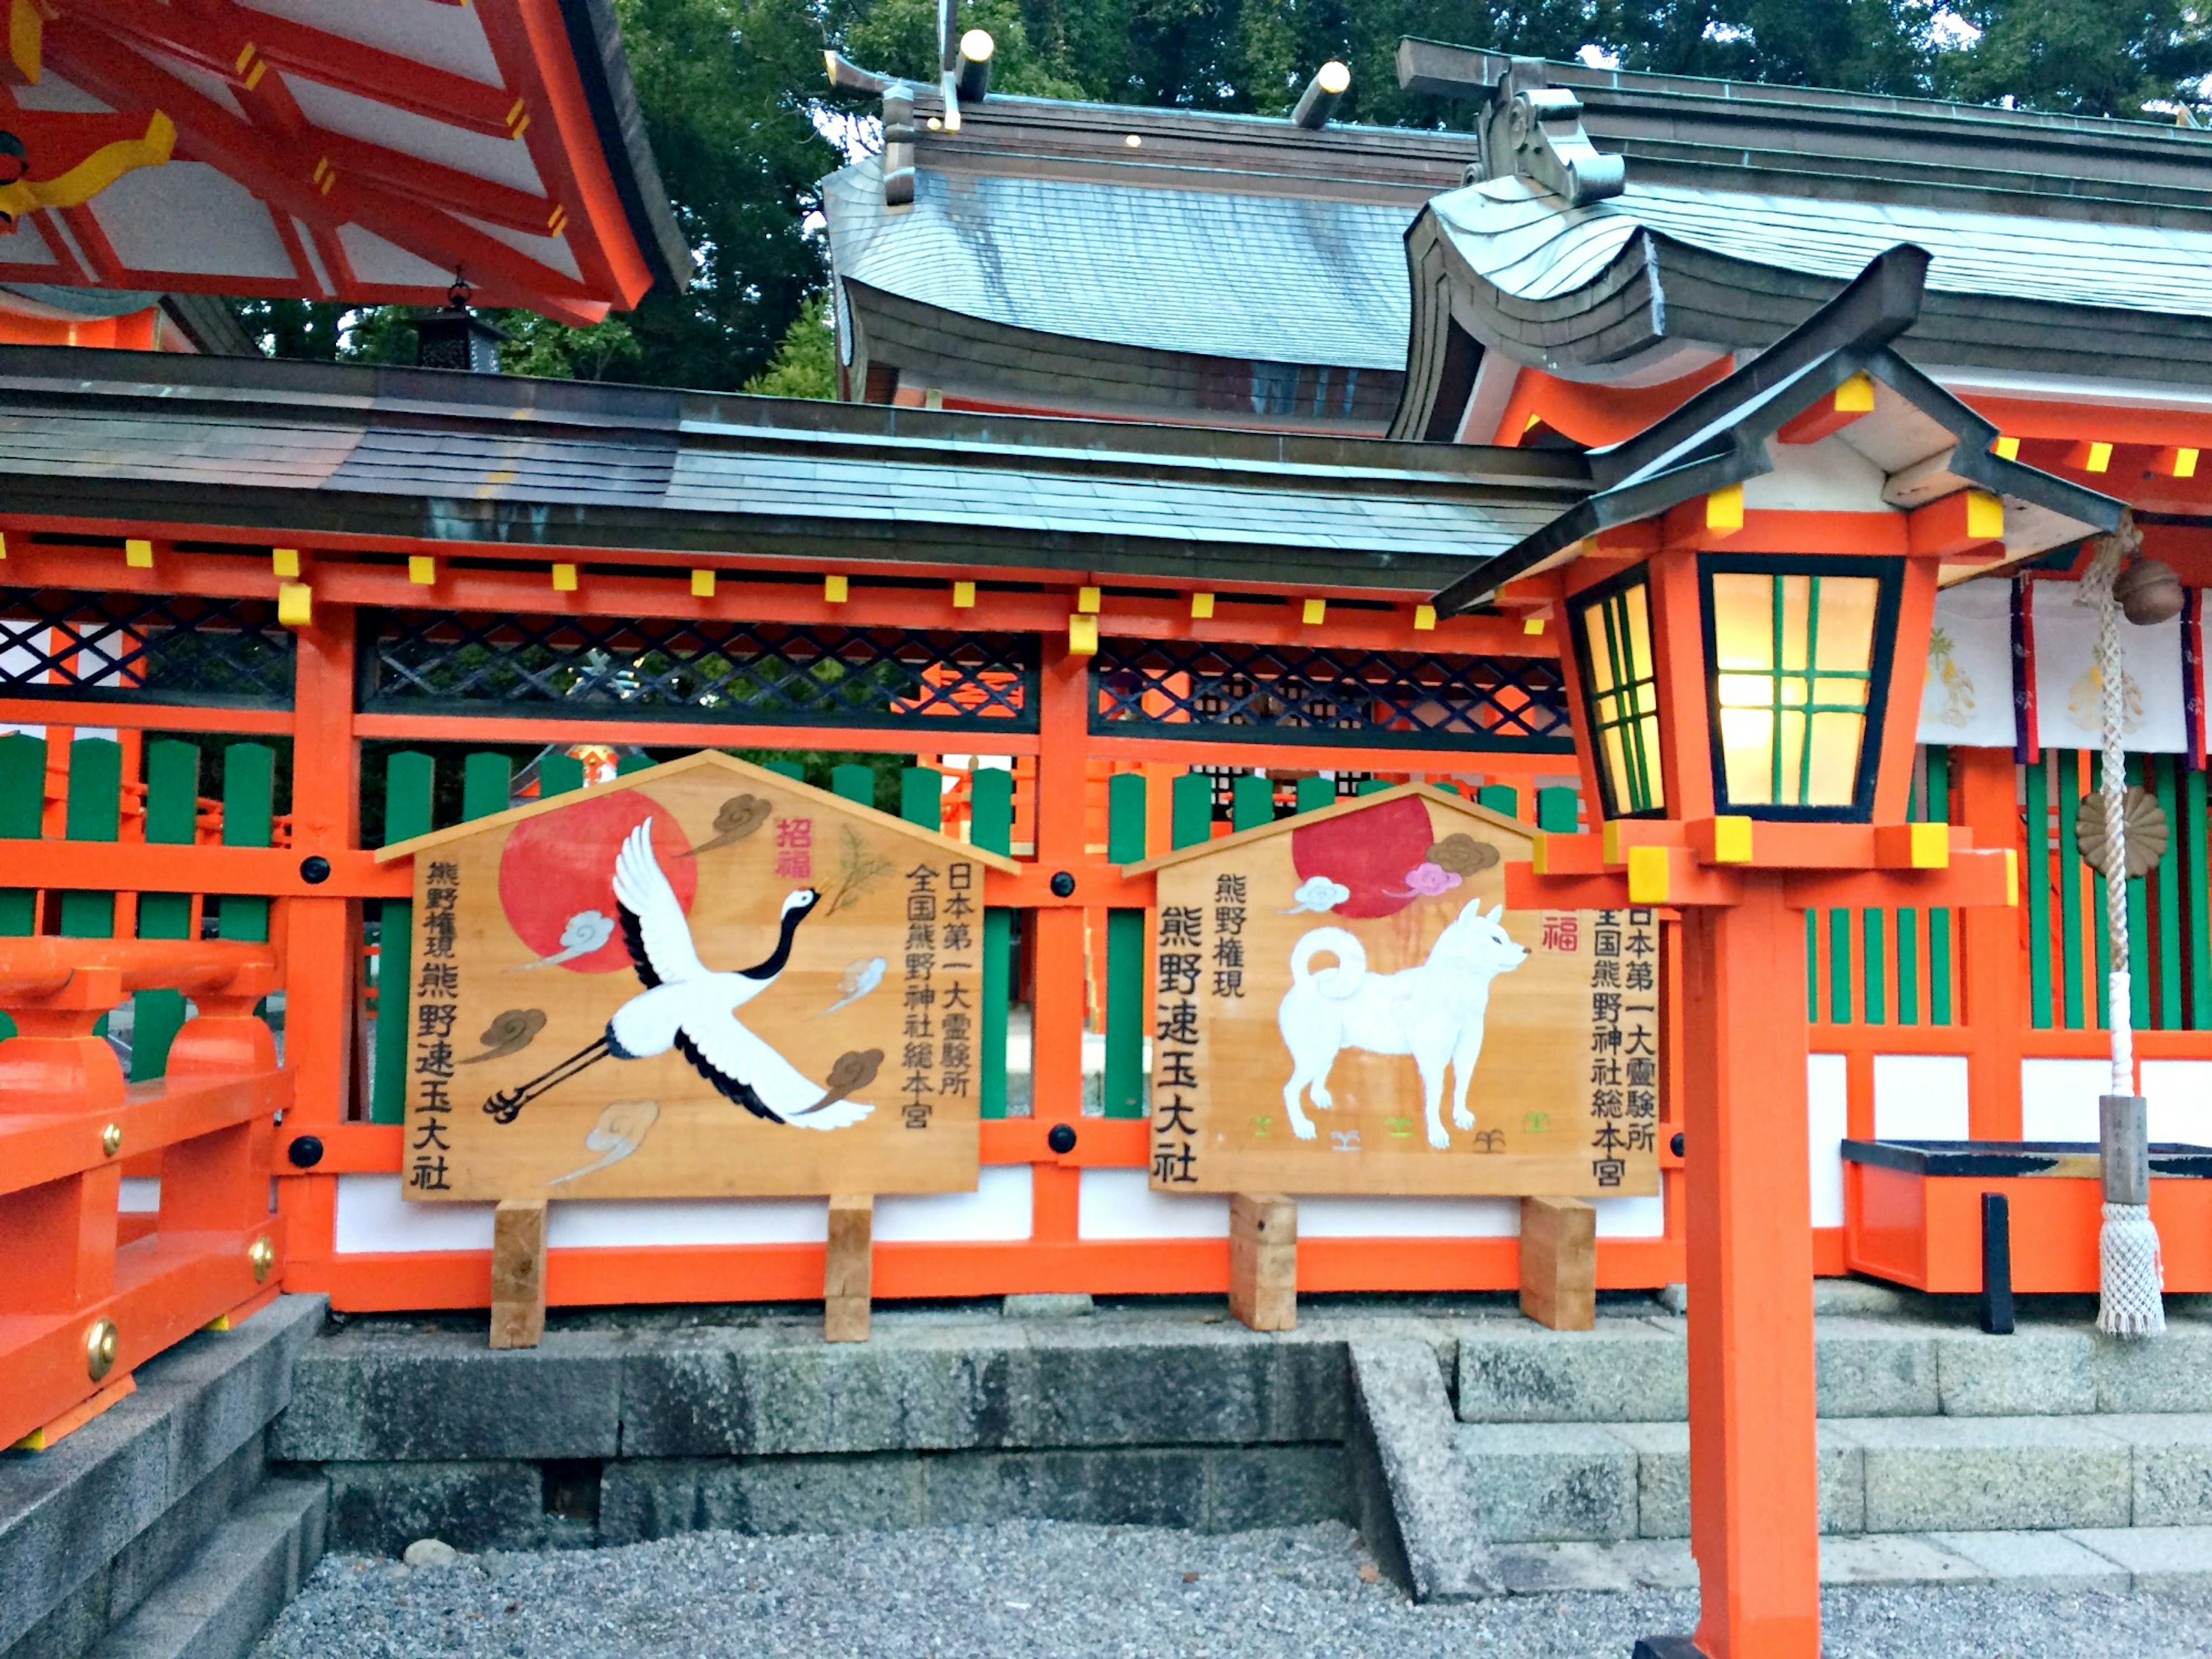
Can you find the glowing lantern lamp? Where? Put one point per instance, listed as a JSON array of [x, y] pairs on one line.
[[1744, 709]]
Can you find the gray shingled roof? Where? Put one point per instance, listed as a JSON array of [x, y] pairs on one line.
[[561, 464], [1279, 278], [1525, 243]]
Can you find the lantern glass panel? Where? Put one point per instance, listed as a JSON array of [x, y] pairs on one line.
[[1793, 681], [1621, 688]]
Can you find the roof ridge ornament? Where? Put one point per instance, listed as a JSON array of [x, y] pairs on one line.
[[1536, 130]]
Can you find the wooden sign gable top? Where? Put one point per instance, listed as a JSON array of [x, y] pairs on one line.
[[706, 760], [1482, 817]]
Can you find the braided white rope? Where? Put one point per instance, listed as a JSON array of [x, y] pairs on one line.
[[2130, 1274]]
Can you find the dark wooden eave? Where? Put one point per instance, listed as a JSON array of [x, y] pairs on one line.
[[307, 449]]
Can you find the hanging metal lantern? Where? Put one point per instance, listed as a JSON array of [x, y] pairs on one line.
[[2147, 834], [2149, 592]]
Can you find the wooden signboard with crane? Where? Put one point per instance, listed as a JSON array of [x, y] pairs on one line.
[[705, 980], [1345, 1006]]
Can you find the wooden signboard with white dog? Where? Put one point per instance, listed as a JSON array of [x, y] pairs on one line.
[[1345, 1006], [703, 980]]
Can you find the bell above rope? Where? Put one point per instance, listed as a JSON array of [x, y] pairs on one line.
[[2149, 592]]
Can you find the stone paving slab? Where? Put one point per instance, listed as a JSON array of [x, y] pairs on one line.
[[1662, 1479], [2038, 1558], [2156, 1558], [1896, 1559], [1535, 1569]]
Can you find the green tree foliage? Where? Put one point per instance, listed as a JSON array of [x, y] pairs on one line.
[[805, 364], [2082, 57]]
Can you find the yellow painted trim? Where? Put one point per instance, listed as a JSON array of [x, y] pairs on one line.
[[26, 40], [1425, 618], [285, 562], [138, 554], [1532, 626], [1931, 846], [1648, 868], [1608, 842], [1856, 396], [1088, 600], [1083, 636], [253, 75], [104, 166], [964, 596], [2012, 877], [422, 569], [295, 605], [2005, 449], [835, 590], [4, 543], [1724, 509], [703, 584], [1538, 859], [1732, 839], [1202, 607], [2100, 457], [1315, 613], [2184, 463], [1984, 516], [564, 578]]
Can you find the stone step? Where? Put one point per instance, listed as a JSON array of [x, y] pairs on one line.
[[2112, 1561], [1586, 1482], [1897, 1365], [217, 1605]]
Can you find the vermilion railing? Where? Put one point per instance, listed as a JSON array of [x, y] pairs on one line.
[[85, 1297]]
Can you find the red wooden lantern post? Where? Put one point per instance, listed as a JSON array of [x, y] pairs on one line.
[[1746, 687]]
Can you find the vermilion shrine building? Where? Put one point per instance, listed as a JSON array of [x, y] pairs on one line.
[[1351, 442]]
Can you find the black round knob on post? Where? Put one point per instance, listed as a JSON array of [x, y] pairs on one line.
[[1062, 883], [1676, 1143], [1062, 1138], [314, 869], [306, 1152]]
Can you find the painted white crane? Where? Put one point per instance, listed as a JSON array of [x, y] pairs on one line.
[[691, 1008]]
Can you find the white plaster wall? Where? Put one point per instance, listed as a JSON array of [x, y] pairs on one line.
[[2180, 1096], [1920, 1096], [373, 1216], [1827, 1121], [2059, 1098]]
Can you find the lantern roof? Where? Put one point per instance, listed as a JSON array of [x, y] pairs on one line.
[[1924, 444], [363, 153]]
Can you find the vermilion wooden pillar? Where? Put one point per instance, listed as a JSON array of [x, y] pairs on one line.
[[1754, 1498]]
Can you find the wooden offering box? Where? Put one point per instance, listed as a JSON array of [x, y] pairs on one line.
[[1912, 1212]]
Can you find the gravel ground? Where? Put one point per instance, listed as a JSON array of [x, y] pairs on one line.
[[1078, 1592]]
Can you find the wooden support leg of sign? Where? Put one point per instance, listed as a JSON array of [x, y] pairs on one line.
[[1559, 1263], [1263, 1261], [518, 1272], [845, 1281]]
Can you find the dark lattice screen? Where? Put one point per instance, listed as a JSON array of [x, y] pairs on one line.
[[1297, 693], [763, 674], [143, 647]]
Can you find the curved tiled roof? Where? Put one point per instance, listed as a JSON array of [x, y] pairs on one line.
[[1525, 242], [1275, 278]]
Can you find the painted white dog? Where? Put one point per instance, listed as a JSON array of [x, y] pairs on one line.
[[1435, 1013]]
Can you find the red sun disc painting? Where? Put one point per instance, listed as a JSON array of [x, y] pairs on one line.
[[1369, 853], [556, 878]]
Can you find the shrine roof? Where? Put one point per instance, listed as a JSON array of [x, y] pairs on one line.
[[1573, 288], [357, 152], [341, 449], [1211, 272]]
